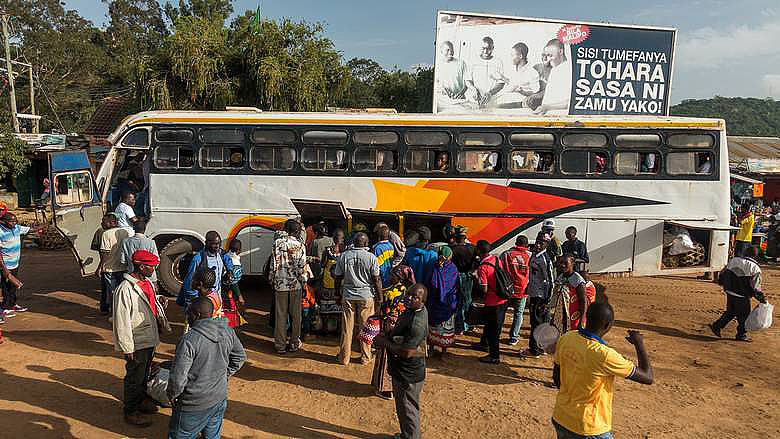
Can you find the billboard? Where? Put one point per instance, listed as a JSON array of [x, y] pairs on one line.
[[516, 65]]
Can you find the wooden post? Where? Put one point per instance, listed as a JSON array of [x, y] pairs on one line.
[[36, 123], [9, 64]]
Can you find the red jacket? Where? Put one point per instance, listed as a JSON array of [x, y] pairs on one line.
[[516, 262]]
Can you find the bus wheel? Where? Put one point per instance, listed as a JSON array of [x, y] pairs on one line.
[[174, 261]]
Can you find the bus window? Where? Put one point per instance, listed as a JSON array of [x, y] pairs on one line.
[[73, 188], [371, 159], [172, 157], [138, 138], [532, 139], [689, 163], [480, 139], [232, 135], [584, 162], [427, 138], [375, 138], [633, 163], [638, 140], [427, 160], [324, 159], [525, 161], [584, 139], [479, 161], [690, 140], [274, 137], [271, 158], [325, 138], [218, 157], [179, 136]]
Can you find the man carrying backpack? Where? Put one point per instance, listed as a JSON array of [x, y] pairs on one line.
[[497, 288]]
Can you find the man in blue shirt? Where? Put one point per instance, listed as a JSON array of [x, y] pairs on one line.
[[10, 252], [384, 252], [212, 256]]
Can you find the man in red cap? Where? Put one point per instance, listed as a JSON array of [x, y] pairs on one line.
[[138, 311]]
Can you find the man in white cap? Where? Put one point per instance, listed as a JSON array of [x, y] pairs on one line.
[[554, 248]]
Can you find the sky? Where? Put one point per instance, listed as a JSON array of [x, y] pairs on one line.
[[724, 48]]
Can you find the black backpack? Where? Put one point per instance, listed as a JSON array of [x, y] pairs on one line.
[[505, 288]]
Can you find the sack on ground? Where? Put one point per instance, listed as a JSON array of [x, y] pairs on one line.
[[157, 385], [760, 318]]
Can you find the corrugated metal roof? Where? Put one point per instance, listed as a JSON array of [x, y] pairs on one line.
[[744, 147]]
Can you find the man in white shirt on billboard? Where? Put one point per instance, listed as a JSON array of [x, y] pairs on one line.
[[486, 75], [557, 93], [451, 78], [522, 80]]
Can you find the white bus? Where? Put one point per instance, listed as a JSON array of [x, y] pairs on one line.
[[621, 181]]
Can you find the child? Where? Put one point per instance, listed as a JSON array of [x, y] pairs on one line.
[[204, 282], [233, 292]]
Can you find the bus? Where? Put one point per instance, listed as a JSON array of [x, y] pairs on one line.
[[630, 185]]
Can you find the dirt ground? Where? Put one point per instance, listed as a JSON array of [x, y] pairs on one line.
[[60, 375]]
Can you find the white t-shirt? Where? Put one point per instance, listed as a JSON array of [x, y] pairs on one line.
[[124, 212], [558, 85], [525, 79], [486, 73]]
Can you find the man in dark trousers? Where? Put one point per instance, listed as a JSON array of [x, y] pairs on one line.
[[495, 307], [206, 357], [741, 280], [406, 362]]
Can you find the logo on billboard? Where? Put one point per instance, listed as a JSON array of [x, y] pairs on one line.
[[573, 33]]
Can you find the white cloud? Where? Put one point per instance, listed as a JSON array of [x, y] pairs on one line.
[[770, 85], [710, 47]]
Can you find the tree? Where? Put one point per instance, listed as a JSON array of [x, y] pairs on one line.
[[12, 159], [218, 10], [744, 116], [360, 89], [135, 32]]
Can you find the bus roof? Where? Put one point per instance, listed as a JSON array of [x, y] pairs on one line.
[[413, 119]]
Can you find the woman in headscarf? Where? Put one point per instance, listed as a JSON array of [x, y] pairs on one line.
[[401, 278], [442, 285]]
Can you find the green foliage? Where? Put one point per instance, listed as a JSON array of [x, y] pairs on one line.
[[12, 159], [217, 10], [744, 116]]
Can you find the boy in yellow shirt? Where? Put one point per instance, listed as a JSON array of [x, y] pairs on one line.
[[585, 370]]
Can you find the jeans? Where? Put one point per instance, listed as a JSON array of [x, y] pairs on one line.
[[187, 425], [517, 317], [307, 315], [736, 307], [9, 290], [537, 313], [108, 284], [563, 433], [136, 376], [407, 407], [494, 323], [465, 284]]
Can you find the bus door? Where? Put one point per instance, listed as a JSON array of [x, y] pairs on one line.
[[76, 205]]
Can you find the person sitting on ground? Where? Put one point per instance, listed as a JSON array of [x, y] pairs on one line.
[[406, 361], [442, 286], [206, 357], [741, 281], [584, 371], [138, 312], [582, 293], [577, 248]]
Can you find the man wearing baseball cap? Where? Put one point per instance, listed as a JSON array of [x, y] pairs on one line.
[[554, 246], [137, 312]]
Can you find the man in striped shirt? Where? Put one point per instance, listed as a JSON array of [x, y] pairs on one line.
[[10, 251], [385, 253]]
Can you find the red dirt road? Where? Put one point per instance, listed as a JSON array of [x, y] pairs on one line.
[[60, 378]]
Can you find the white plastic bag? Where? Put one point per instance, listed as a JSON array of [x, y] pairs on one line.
[[157, 386], [760, 318], [682, 243]]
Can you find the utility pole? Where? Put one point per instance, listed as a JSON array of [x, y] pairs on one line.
[[9, 67]]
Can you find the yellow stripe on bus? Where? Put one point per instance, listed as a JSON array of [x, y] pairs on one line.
[[443, 123]]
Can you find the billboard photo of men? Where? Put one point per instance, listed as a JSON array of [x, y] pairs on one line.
[[486, 75], [450, 85], [557, 92], [521, 79]]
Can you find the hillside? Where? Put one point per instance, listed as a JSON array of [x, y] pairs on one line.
[[744, 116]]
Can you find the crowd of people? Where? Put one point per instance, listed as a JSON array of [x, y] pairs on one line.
[[409, 298]]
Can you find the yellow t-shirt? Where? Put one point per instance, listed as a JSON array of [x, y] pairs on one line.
[[746, 228], [588, 371]]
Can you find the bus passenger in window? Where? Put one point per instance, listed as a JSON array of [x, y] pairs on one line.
[[705, 163], [545, 163], [648, 162], [600, 162], [385, 160], [490, 162], [442, 161]]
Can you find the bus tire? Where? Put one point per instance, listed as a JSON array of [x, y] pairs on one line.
[[174, 260]]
